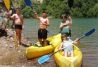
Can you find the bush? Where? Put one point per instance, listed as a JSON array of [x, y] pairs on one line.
[[56, 8], [27, 12], [76, 12], [79, 8], [93, 12]]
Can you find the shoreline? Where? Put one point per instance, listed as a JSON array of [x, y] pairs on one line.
[[12, 56]]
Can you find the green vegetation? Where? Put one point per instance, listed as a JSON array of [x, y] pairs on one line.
[[79, 8], [27, 12], [54, 8]]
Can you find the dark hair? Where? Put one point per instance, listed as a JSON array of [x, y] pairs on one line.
[[65, 34], [17, 9], [64, 16], [44, 12]]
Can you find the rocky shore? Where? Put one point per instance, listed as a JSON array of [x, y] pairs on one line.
[[12, 55]]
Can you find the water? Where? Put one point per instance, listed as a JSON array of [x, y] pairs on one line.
[[88, 45]]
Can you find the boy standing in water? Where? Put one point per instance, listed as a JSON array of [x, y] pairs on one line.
[[18, 21], [42, 31]]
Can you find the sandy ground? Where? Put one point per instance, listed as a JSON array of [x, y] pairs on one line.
[[13, 56]]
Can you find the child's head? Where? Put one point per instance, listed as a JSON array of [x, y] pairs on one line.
[[64, 16], [44, 14], [18, 11], [64, 36]]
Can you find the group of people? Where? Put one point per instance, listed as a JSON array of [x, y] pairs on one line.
[[65, 30]]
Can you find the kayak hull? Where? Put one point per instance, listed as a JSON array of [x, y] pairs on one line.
[[35, 51], [75, 61]]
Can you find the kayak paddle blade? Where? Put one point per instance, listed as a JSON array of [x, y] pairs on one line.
[[28, 2], [43, 59], [90, 32]]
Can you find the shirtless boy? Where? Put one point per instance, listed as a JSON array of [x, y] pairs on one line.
[[42, 31]]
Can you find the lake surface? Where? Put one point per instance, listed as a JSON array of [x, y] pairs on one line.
[[89, 45]]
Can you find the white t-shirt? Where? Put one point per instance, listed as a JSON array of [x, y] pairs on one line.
[[68, 45]]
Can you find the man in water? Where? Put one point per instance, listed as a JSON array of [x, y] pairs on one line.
[[42, 31]]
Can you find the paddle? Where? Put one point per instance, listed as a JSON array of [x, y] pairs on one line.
[[88, 33], [28, 3], [70, 3], [45, 58], [7, 4]]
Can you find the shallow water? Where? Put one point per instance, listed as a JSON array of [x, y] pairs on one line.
[[89, 45]]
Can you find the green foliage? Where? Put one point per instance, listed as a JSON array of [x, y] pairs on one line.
[[56, 8], [93, 12], [85, 8], [21, 3], [95, 9], [27, 12], [76, 12], [79, 8]]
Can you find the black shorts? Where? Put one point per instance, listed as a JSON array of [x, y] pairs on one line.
[[42, 33], [18, 26]]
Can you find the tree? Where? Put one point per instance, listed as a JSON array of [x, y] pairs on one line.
[[93, 12], [56, 8], [77, 8], [27, 12]]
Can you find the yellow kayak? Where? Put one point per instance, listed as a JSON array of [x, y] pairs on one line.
[[7, 4], [75, 61], [35, 51]]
